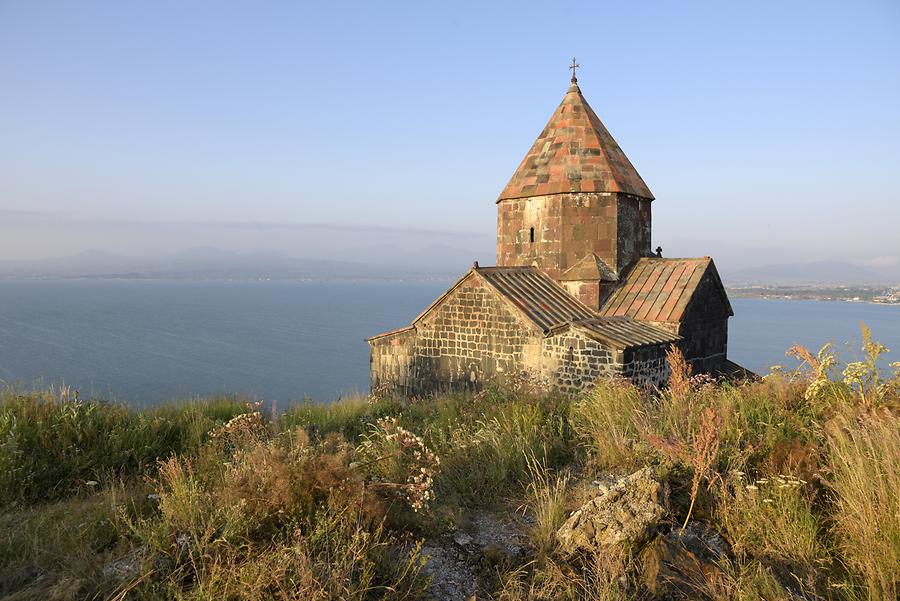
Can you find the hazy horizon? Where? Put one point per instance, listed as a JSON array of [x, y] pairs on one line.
[[769, 133]]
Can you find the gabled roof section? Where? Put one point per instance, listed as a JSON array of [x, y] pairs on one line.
[[659, 289], [574, 153], [625, 332], [529, 291], [536, 295], [391, 333], [590, 267]]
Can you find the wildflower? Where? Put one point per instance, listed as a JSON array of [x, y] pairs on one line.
[[245, 425], [768, 500], [815, 388], [855, 373], [389, 440]]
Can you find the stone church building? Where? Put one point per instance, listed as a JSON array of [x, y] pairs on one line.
[[577, 293]]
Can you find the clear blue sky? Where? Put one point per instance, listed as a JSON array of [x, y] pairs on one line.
[[768, 131]]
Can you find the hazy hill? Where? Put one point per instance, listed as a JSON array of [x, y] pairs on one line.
[[218, 264], [818, 272]]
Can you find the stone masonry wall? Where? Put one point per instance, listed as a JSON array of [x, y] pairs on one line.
[[633, 224], [647, 367], [593, 293], [587, 291], [470, 336], [391, 361], [569, 226], [515, 220], [571, 361], [566, 228], [704, 327]]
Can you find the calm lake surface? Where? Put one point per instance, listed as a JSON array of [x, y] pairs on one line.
[[148, 342]]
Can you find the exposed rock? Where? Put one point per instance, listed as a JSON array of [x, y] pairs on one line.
[[497, 539], [124, 568], [455, 561], [685, 564], [626, 513], [461, 538], [452, 577], [702, 539]]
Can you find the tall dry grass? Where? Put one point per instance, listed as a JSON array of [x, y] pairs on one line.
[[608, 575], [610, 422], [864, 457], [547, 504]]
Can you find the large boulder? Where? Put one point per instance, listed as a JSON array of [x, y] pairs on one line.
[[625, 513]]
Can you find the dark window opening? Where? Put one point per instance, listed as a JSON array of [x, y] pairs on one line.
[[532, 235]]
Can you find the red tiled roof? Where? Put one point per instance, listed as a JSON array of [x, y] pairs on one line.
[[574, 153], [659, 289]]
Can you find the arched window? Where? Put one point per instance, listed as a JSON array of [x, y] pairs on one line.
[[531, 236]]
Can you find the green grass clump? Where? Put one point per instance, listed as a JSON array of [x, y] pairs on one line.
[[53, 445]]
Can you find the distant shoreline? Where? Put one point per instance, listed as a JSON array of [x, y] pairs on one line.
[[360, 280], [875, 295], [868, 294]]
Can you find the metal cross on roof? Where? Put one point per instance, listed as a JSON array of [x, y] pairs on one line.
[[573, 67]]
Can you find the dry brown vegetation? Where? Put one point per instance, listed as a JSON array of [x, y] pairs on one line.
[[799, 471]]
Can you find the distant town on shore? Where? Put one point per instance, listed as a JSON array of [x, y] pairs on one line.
[[882, 295]]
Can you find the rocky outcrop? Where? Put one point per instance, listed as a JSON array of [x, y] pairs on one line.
[[626, 513]]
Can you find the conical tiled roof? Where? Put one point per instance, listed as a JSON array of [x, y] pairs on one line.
[[574, 153]]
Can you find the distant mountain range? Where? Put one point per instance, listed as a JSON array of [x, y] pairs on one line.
[[217, 264], [818, 272], [376, 262]]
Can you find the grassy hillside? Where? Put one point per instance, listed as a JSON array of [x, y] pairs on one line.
[[799, 471]]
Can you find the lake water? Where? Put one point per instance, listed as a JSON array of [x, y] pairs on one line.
[[148, 342]]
